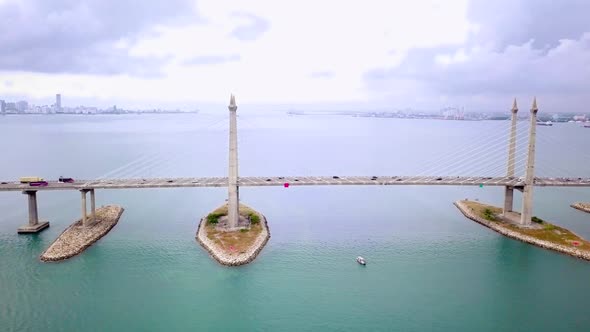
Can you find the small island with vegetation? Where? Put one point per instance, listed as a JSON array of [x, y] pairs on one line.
[[581, 206], [235, 247], [541, 233]]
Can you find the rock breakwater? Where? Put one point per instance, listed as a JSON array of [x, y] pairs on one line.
[[581, 206], [76, 238], [504, 230]]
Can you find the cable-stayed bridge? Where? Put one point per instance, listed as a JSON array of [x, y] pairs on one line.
[[255, 181], [468, 165]]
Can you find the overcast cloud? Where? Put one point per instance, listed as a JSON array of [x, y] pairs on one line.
[[88, 36], [377, 54], [520, 48]]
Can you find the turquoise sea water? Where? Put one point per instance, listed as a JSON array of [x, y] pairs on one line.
[[429, 268]]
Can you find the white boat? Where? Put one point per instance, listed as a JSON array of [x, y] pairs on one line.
[[361, 260]]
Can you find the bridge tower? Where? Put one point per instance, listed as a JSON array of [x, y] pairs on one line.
[[233, 190], [529, 178], [509, 191]]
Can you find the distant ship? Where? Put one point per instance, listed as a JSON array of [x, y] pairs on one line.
[[587, 125], [295, 113], [548, 123]]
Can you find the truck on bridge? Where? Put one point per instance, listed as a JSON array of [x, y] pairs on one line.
[[29, 179]]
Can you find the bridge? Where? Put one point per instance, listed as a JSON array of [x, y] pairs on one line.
[[251, 181], [509, 181]]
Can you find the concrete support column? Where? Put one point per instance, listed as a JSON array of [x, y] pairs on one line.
[[92, 206], [33, 212], [84, 216], [527, 196], [509, 192], [233, 191], [34, 225], [508, 199]]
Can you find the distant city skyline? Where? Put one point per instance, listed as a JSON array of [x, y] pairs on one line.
[[424, 54], [447, 112], [24, 107]]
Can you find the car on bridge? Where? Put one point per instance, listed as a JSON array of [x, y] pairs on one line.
[[65, 180], [38, 183]]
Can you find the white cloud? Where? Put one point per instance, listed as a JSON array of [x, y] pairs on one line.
[[344, 38], [482, 76], [449, 59]]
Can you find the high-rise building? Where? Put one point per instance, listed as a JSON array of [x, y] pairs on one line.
[[2, 106], [11, 107], [58, 102], [22, 106]]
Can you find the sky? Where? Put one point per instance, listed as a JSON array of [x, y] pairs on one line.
[[419, 54]]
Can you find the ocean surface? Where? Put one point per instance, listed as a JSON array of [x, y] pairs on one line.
[[429, 268]]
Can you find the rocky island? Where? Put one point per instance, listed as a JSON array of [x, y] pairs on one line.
[[76, 238], [233, 247], [541, 233], [581, 206]]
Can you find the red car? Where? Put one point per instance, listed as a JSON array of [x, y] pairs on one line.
[[38, 184]]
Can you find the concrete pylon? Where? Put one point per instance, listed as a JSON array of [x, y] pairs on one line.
[[34, 225], [86, 220], [529, 178], [92, 206], [233, 190], [84, 211], [509, 191]]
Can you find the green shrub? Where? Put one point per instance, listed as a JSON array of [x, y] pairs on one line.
[[549, 227], [213, 218], [537, 220], [244, 230], [254, 218], [489, 215]]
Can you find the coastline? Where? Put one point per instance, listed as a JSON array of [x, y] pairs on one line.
[[497, 227], [76, 238], [221, 256], [584, 207]]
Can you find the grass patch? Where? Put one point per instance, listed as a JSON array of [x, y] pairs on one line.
[[213, 218], [479, 208], [488, 214], [245, 211], [549, 227], [545, 231], [254, 218]]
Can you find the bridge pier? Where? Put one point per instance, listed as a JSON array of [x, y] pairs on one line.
[[86, 221], [93, 205], [508, 199], [34, 226]]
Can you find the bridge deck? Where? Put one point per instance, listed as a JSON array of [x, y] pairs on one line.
[[294, 181]]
